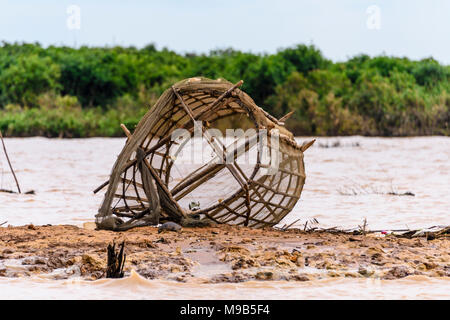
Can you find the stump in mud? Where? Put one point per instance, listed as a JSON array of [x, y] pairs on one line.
[[115, 262]]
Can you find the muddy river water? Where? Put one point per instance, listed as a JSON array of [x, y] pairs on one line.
[[348, 179]]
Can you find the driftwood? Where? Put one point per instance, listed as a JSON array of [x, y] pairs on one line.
[[116, 261], [431, 233], [255, 195]]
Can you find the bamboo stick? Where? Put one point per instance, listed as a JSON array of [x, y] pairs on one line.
[[305, 146], [9, 162], [122, 196], [163, 187], [213, 106], [100, 187], [286, 116], [125, 129]]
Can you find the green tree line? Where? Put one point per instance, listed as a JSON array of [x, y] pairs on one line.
[[89, 91]]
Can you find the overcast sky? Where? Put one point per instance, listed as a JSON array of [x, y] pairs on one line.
[[341, 29]]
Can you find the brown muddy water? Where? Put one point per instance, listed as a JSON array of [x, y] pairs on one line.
[[348, 179], [136, 287]]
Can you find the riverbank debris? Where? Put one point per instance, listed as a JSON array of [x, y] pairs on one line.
[[356, 189], [143, 189], [115, 261], [431, 233]]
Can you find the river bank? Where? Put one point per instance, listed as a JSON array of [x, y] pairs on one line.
[[220, 254], [63, 173]]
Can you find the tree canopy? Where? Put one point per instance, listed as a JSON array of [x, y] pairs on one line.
[[365, 95]]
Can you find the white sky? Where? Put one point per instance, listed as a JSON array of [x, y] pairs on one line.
[[415, 29]]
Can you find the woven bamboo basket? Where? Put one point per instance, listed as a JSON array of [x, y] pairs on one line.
[[146, 177]]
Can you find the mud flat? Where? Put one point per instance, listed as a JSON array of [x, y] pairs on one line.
[[219, 254]]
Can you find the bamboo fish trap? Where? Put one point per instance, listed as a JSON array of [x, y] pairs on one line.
[[146, 187]]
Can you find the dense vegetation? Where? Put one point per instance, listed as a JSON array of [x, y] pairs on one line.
[[62, 91]]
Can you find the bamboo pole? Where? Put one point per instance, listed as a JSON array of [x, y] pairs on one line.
[[215, 104], [100, 187], [286, 116], [305, 146], [125, 129], [9, 162]]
